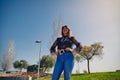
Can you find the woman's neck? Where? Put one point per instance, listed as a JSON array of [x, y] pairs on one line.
[[65, 35]]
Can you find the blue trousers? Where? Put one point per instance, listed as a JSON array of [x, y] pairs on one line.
[[64, 62]]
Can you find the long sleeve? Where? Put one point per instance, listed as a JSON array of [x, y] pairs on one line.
[[78, 45], [53, 47]]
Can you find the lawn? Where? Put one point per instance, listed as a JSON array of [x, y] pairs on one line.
[[98, 76], [92, 76]]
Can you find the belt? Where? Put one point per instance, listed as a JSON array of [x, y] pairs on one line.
[[63, 51]]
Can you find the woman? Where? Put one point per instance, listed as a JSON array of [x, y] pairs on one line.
[[64, 52]]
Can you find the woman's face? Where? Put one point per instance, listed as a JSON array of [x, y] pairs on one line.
[[65, 31]]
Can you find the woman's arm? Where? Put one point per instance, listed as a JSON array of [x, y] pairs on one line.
[[78, 45], [53, 47]]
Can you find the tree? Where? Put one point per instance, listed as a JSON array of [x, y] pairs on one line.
[[77, 58], [20, 65], [16, 64], [87, 52], [46, 63], [32, 68]]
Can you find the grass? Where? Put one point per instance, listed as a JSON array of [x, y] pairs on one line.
[[92, 76], [98, 76]]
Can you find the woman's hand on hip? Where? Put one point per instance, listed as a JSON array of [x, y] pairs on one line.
[[69, 49]]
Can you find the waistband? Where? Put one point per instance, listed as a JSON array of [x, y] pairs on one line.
[[63, 51]]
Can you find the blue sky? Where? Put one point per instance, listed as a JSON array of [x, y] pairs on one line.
[[26, 21]]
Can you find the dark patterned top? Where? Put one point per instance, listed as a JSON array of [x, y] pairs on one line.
[[64, 42]]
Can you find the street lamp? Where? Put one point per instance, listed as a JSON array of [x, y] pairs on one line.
[[38, 41]]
